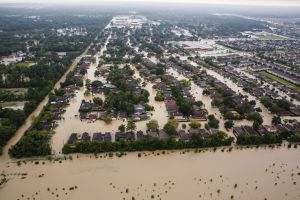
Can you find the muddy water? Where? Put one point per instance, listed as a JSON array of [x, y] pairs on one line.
[[160, 111], [280, 93], [20, 132], [267, 116], [197, 93], [73, 124], [13, 105], [259, 174]]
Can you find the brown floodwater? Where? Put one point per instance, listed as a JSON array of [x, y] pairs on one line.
[[246, 174], [72, 123], [20, 132], [13, 104], [197, 93], [266, 114], [272, 87]]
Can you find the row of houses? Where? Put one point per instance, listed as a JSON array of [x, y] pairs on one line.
[[265, 129], [261, 45], [253, 86], [147, 70], [138, 135], [187, 70]]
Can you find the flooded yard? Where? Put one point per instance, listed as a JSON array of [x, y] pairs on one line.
[[71, 122], [13, 104], [173, 175]]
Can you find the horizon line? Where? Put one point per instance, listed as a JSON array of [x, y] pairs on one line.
[[180, 2]]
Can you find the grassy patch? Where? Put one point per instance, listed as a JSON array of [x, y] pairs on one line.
[[280, 80], [271, 36]]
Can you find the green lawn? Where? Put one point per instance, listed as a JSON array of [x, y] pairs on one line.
[[280, 80], [271, 36], [21, 64]]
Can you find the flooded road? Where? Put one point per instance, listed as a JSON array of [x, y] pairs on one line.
[[72, 123], [279, 92], [173, 176], [20, 132], [197, 93], [244, 174], [266, 114]]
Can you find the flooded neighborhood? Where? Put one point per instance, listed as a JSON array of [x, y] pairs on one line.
[[135, 105]]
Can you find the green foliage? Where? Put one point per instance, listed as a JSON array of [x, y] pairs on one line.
[[10, 120], [149, 144], [33, 143], [275, 105], [230, 116], [213, 122], [186, 83], [171, 127], [122, 128], [131, 125], [229, 124], [195, 124], [276, 120], [152, 125], [107, 120], [254, 116], [98, 101], [258, 140], [159, 96], [185, 105], [10, 96], [148, 107], [124, 99]]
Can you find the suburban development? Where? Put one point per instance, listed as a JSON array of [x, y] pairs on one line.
[[110, 103]]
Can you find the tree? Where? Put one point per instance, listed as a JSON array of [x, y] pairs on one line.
[[159, 96], [199, 103], [229, 115], [33, 143], [152, 125], [122, 128], [274, 108], [252, 102], [276, 120], [195, 124], [186, 83], [171, 127], [256, 117], [98, 101], [186, 107], [256, 125], [215, 103], [131, 125], [229, 124], [213, 122], [107, 120], [206, 92]]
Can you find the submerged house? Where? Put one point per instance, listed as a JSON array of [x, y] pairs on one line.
[[86, 137], [73, 138]]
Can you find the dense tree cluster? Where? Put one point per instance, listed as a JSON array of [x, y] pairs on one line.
[[291, 136], [33, 143], [275, 105], [10, 120], [149, 144], [258, 140], [125, 97], [42, 42]]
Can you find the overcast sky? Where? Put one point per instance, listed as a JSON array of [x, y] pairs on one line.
[[237, 2]]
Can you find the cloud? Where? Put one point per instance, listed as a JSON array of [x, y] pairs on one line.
[[230, 2]]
